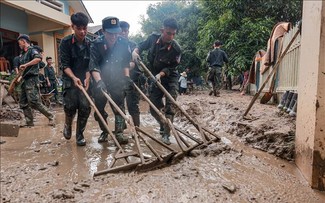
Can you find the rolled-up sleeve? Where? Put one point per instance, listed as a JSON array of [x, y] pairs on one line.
[[65, 55]]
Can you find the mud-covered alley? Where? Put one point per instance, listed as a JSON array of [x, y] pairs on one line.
[[253, 162]]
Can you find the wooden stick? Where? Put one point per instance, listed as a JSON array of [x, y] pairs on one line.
[[100, 117], [271, 73]]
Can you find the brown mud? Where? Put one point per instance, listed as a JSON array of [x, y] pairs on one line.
[[41, 166]]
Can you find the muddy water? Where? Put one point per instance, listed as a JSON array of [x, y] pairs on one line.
[[41, 166]]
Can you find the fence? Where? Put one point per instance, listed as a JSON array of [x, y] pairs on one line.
[[287, 75]]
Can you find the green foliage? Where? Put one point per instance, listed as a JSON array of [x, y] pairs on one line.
[[244, 27]]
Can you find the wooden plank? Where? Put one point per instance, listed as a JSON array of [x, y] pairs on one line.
[[9, 129]]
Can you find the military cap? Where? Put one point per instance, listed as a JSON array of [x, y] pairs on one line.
[[24, 36], [111, 24]]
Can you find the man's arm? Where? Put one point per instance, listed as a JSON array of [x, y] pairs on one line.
[[30, 63]]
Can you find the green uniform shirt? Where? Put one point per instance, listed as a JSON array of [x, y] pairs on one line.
[[26, 56]]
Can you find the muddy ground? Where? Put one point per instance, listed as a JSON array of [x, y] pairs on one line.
[[253, 162]]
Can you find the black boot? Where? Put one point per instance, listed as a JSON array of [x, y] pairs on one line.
[[67, 131], [283, 100], [211, 92], [136, 120], [288, 100], [104, 134], [81, 125]]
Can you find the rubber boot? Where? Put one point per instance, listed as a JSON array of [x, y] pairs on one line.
[[28, 116], [211, 92], [103, 136], [67, 130], [136, 120], [81, 126], [161, 130], [288, 100], [119, 128], [283, 100], [292, 103], [45, 111], [293, 111], [166, 134]]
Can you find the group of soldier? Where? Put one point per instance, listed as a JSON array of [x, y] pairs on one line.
[[107, 64]]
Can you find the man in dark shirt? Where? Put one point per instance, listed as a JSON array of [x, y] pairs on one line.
[[110, 56], [216, 58], [74, 58], [51, 79], [30, 97], [132, 95], [164, 55]]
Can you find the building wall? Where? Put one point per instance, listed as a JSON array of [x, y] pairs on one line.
[[310, 130], [13, 19]]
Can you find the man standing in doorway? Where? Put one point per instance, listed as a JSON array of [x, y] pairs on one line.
[[110, 57], [164, 55], [132, 95], [30, 97], [74, 58], [216, 58], [51, 79]]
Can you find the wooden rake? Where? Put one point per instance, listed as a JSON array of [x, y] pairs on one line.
[[203, 131]]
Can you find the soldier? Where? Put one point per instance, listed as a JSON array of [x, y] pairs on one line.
[[30, 97], [215, 59], [74, 57], [164, 55], [132, 95], [110, 56], [51, 79]]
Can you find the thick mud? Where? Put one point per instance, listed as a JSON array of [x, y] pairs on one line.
[[41, 166]]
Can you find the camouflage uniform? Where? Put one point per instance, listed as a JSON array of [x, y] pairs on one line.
[[132, 95], [215, 59], [110, 63], [75, 57], [30, 96], [162, 58]]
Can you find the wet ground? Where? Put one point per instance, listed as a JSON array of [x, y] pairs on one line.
[[41, 166]]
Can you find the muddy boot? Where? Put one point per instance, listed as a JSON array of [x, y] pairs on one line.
[[28, 116], [216, 93], [166, 132], [288, 100], [283, 100], [293, 112], [81, 125], [45, 111], [136, 120], [211, 92], [161, 130], [292, 103], [165, 139], [119, 128], [67, 130], [103, 136]]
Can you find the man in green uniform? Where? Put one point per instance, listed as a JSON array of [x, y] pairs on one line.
[[164, 55], [51, 79], [110, 56], [30, 97], [74, 58]]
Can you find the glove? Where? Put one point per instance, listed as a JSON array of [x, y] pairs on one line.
[[100, 86], [157, 77], [135, 56]]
